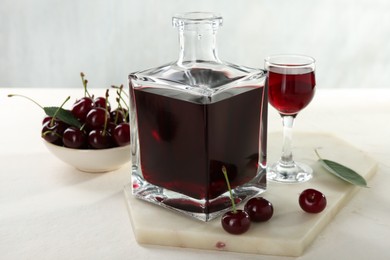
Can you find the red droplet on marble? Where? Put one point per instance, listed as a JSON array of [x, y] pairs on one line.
[[220, 245], [135, 185]]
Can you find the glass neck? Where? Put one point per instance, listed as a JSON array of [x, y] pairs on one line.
[[198, 44]]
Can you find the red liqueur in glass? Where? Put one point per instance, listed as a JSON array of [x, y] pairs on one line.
[[290, 93], [291, 83]]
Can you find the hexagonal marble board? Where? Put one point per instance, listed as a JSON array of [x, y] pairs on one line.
[[289, 231]]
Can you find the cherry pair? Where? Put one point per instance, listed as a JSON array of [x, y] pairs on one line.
[[257, 209]]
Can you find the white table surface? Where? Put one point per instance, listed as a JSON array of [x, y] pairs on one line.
[[50, 211]]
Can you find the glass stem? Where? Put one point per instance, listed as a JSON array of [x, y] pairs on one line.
[[287, 157]]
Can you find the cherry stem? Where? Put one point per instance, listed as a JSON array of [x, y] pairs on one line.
[[85, 82], [229, 188], [105, 114], [119, 92], [120, 87], [17, 95], [119, 109], [49, 131], [124, 103], [58, 109]]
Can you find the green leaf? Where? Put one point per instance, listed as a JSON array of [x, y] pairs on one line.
[[344, 172], [63, 115]]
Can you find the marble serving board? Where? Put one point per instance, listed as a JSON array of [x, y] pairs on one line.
[[289, 232]]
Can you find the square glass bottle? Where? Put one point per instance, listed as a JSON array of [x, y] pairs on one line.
[[189, 118]]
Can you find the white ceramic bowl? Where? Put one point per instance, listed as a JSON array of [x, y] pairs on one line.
[[88, 160]]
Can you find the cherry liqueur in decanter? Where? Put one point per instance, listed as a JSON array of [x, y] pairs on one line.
[[193, 116]]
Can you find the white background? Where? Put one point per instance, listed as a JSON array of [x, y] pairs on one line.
[[46, 43]]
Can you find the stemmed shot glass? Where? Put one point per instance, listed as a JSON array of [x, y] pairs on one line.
[[291, 86]]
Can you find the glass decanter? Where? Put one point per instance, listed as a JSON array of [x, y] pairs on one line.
[[193, 116]]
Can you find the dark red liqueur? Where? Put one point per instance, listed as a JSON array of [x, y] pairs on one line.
[[184, 143], [289, 94]]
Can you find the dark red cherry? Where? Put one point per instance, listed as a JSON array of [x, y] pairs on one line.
[[46, 119], [117, 116], [99, 139], [312, 201], [96, 118], [101, 102], [121, 134], [74, 138], [236, 222], [126, 113], [53, 130], [81, 108], [111, 127], [49, 132], [259, 209]]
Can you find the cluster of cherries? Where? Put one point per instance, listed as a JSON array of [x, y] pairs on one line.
[[258, 209], [89, 124], [100, 126]]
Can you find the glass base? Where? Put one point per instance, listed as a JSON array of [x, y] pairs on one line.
[[295, 173], [204, 210]]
